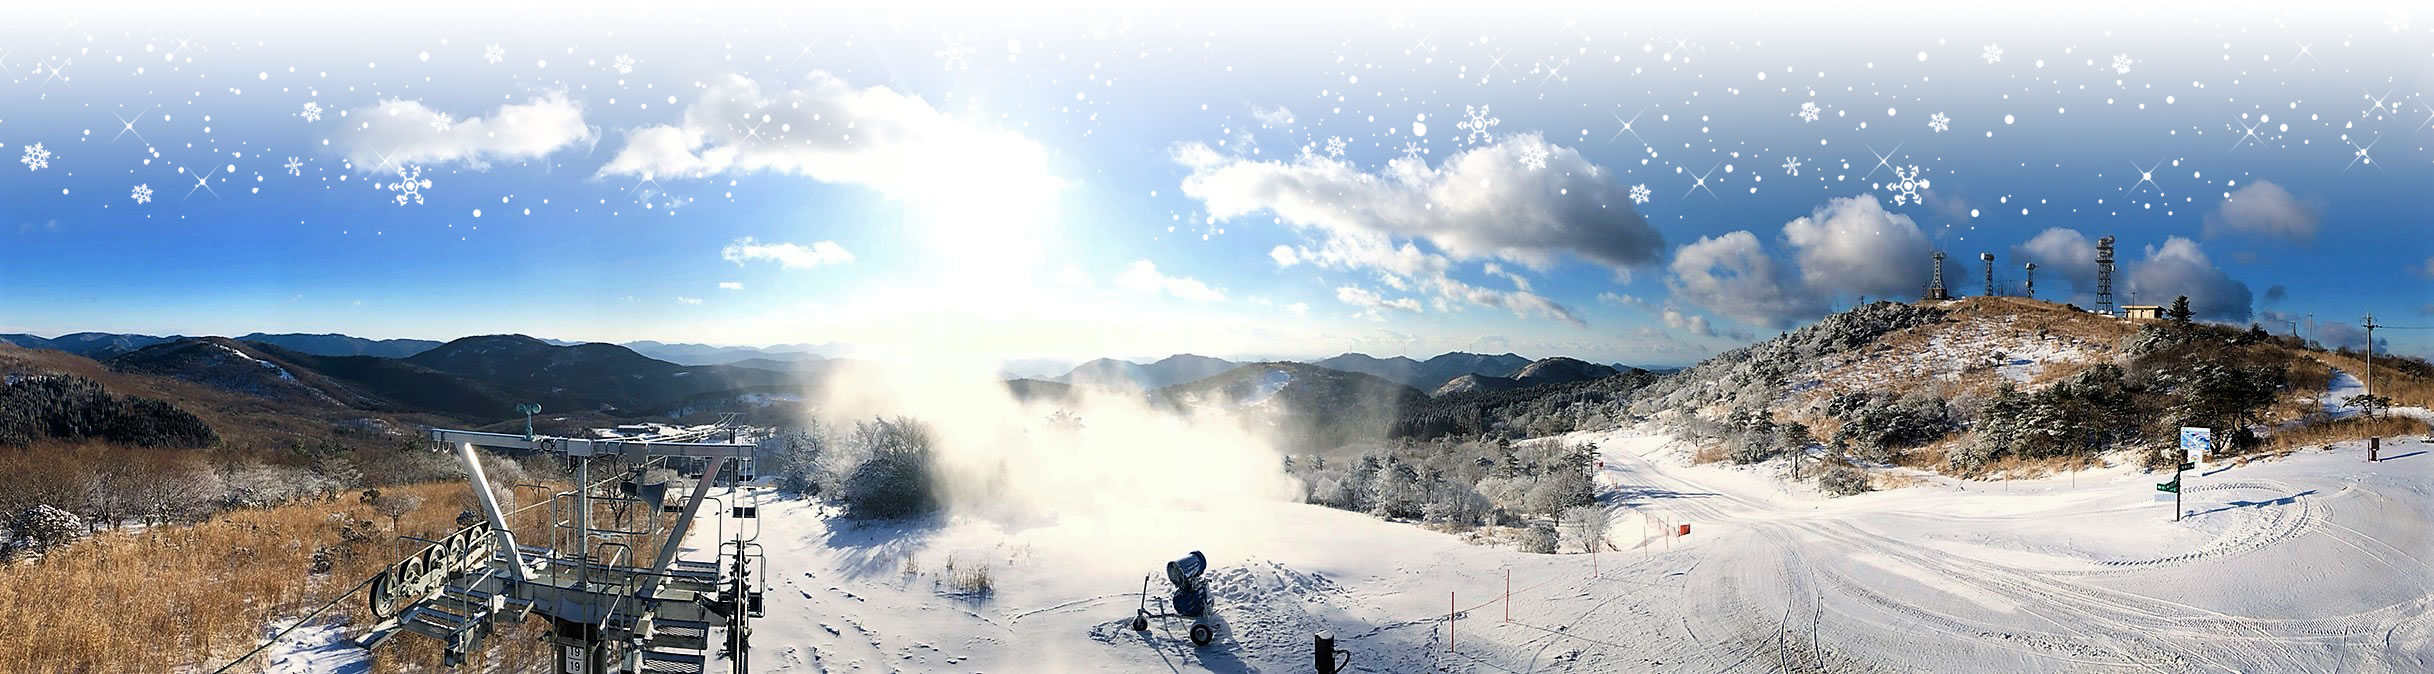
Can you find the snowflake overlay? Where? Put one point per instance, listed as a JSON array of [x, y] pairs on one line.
[[1791, 165], [143, 194], [1809, 111], [1535, 157], [312, 111], [2398, 21], [955, 54], [1412, 150], [36, 158], [441, 122], [494, 54], [295, 167], [410, 185], [625, 65], [1639, 193], [1477, 123], [2121, 64], [1335, 146], [1939, 122], [1993, 54], [1906, 191]]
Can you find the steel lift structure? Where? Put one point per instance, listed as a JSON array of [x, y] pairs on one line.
[[609, 611]]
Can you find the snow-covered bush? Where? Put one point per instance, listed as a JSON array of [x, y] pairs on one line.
[[1539, 539], [1882, 426], [1589, 523], [1842, 480], [895, 475], [37, 529]]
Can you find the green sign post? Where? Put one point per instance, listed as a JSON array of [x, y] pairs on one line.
[[2193, 444]]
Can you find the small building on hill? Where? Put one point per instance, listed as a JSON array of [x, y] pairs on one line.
[[2147, 311]]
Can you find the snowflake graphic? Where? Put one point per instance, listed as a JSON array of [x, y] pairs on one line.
[[1939, 122], [36, 158], [1477, 122], [955, 54], [1791, 165], [295, 167], [1535, 157], [494, 54], [1639, 193], [2121, 64], [440, 122], [409, 186], [2398, 21], [1412, 149], [312, 111], [1906, 191], [1335, 146], [1808, 111], [1993, 54], [143, 194], [625, 64]]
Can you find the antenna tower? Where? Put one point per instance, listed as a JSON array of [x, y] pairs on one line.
[[1935, 286], [2104, 275], [1990, 272], [2032, 280]]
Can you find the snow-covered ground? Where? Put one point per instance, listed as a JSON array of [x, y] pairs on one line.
[[2320, 562]]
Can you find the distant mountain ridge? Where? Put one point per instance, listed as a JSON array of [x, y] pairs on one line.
[[1429, 374], [704, 354], [333, 344], [1168, 371]]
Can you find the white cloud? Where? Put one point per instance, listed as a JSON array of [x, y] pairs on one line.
[[1693, 323], [1280, 116], [789, 255], [2265, 208], [1298, 308], [1370, 302], [1732, 275], [1284, 256], [829, 131], [407, 132], [1624, 300], [2181, 268], [688, 300], [1853, 246], [1481, 202], [730, 285], [2060, 253], [1142, 276]]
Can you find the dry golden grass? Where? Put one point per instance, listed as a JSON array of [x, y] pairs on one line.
[[183, 597], [2310, 436], [2403, 389]]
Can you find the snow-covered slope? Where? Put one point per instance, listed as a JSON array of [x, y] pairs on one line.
[[2319, 562]]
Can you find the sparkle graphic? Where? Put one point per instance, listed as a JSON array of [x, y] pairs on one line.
[[2377, 104], [1939, 122], [1635, 118], [143, 194], [409, 186], [35, 158], [1639, 193], [1883, 161], [2248, 134], [202, 182], [1700, 183], [1477, 123], [127, 126], [2146, 177], [2361, 153]]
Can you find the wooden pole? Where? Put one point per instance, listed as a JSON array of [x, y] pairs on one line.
[[1449, 622], [1508, 594]]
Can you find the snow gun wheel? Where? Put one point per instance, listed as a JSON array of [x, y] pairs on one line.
[[1201, 636], [1140, 624]]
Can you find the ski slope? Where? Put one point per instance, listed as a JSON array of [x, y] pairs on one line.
[[2320, 562]]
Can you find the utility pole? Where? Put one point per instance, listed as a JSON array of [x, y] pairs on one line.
[[2369, 323]]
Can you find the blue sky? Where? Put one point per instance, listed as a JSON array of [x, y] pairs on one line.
[[1083, 181]]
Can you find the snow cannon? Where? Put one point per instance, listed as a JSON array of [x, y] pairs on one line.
[[1190, 600]]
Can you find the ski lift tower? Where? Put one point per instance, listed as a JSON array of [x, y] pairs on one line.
[[610, 610]]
